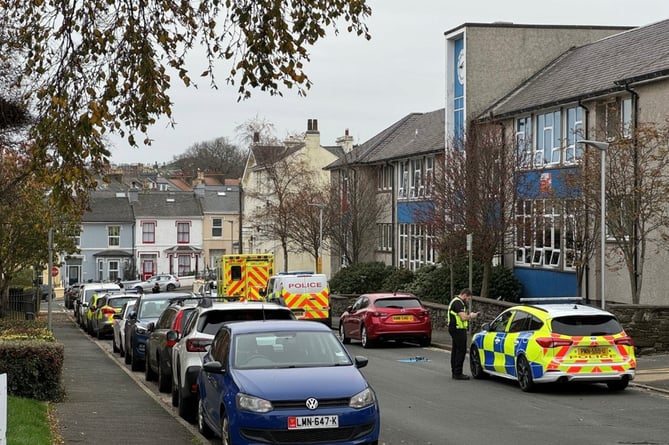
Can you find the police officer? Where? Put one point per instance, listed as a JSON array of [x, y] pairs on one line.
[[458, 321]]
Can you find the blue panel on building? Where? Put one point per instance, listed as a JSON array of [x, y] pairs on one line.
[[555, 182], [546, 283], [411, 212]]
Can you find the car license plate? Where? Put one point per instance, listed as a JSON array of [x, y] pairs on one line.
[[593, 352], [311, 422], [402, 318], [298, 312]]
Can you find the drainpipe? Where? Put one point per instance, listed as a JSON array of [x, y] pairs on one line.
[[635, 229]]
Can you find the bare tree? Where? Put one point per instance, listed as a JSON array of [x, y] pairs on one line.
[[355, 212], [282, 169], [216, 156], [637, 197], [474, 194]]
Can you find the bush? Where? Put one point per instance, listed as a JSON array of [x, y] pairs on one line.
[[398, 281], [360, 278]]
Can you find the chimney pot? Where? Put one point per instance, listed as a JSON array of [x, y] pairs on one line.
[[310, 125], [256, 137], [315, 124]]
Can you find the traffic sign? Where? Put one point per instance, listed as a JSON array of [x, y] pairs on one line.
[[54, 271]]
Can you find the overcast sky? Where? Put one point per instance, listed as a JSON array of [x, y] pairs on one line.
[[366, 86]]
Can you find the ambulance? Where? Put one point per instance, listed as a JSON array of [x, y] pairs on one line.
[[243, 276], [307, 294]]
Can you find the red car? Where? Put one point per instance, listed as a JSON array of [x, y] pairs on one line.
[[384, 316]]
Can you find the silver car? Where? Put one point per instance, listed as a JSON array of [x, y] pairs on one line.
[[165, 283], [118, 327]]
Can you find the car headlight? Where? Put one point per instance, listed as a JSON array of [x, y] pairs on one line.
[[140, 330], [362, 399], [253, 404]]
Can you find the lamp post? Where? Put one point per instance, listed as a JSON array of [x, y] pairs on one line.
[[319, 261], [232, 236], [602, 147]]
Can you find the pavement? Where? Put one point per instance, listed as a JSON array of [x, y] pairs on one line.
[[103, 405]]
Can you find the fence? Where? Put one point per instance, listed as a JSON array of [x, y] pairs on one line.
[[22, 304]]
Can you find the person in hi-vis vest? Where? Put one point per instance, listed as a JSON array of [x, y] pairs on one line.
[[458, 321]]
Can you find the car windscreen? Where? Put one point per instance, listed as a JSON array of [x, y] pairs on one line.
[[398, 303], [118, 303], [152, 308], [586, 325], [211, 321]]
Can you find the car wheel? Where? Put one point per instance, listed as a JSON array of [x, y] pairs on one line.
[[149, 374], [171, 287], [187, 406], [475, 363], [618, 385], [164, 380], [128, 357], [225, 429], [135, 364], [202, 426], [175, 394], [114, 345], [524, 373], [342, 334], [100, 334], [366, 342]]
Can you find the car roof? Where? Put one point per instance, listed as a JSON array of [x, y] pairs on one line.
[[379, 295], [554, 310], [255, 326], [236, 305], [101, 286], [152, 297]]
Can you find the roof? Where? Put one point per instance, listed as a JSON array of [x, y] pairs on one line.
[[108, 209], [592, 70], [277, 325], [529, 26], [167, 205], [415, 134], [266, 155], [224, 199], [566, 309]]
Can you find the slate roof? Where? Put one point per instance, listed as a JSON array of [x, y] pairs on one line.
[[167, 205], [266, 155], [592, 70], [108, 209], [415, 134], [224, 200]]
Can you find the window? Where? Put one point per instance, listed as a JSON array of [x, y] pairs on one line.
[[385, 237], [415, 247], [403, 180], [548, 139], [183, 232], [148, 232], [573, 150], [217, 227], [524, 140], [114, 269], [614, 118], [114, 236], [384, 177], [184, 267]]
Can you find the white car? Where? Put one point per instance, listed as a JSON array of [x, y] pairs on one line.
[[118, 327], [196, 337], [166, 283]]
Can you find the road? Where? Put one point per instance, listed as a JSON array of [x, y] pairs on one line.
[[421, 404]]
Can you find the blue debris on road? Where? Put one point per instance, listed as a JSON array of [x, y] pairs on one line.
[[414, 360]]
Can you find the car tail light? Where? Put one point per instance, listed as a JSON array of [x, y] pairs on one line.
[[197, 344], [550, 342], [108, 311], [624, 341], [170, 343], [379, 314]]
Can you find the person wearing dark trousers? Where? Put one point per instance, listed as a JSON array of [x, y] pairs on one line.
[[458, 322]]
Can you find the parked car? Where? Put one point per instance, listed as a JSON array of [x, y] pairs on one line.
[[88, 314], [165, 282], [45, 291], [148, 308], [118, 327], [103, 317], [197, 335], [284, 381], [554, 343], [159, 344], [380, 317], [85, 293], [70, 295]]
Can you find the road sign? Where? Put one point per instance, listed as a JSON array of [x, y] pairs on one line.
[[54, 271]]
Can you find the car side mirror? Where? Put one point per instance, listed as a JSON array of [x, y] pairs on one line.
[[117, 316], [348, 308], [172, 336], [485, 327], [214, 367], [151, 327], [132, 315], [360, 361], [262, 292]]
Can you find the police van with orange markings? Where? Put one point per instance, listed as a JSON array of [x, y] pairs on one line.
[[307, 294]]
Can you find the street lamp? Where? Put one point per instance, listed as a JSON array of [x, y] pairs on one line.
[[602, 147], [232, 236], [319, 262]]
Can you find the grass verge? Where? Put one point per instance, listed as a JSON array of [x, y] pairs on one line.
[[31, 422]]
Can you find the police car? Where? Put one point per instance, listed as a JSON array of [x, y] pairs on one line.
[[554, 343]]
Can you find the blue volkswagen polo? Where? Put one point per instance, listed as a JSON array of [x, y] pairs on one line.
[[285, 382]]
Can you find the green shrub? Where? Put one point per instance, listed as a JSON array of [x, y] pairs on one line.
[[33, 368], [398, 281], [360, 278]]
